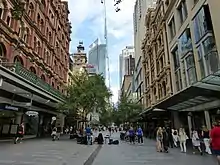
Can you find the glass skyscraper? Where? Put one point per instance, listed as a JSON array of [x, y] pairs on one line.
[[97, 57]]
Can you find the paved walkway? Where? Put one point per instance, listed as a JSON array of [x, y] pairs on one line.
[[45, 152], [129, 154]]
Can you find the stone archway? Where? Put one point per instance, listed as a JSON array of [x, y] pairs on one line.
[[18, 59], [33, 70]]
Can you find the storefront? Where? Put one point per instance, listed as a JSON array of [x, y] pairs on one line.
[[10, 117]]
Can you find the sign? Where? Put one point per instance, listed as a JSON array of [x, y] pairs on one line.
[[91, 69], [8, 107], [54, 118], [31, 113]]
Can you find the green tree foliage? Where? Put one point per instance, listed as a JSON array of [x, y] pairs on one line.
[[86, 94], [126, 111], [106, 115]]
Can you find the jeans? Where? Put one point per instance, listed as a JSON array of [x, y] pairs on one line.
[[183, 146], [89, 139], [207, 145], [140, 139]]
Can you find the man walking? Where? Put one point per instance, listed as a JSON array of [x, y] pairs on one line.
[[140, 135]]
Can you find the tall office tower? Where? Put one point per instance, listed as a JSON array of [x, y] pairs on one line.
[[97, 57], [126, 63], [140, 10]]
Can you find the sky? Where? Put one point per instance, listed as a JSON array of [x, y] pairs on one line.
[[87, 20]]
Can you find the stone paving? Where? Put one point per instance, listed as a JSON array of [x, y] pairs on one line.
[[129, 154], [45, 152]]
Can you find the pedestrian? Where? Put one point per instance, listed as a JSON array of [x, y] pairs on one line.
[[170, 136], [20, 133], [159, 138], [182, 139], [89, 134], [132, 135], [206, 139], [140, 135], [215, 140], [196, 141], [175, 137], [165, 140]]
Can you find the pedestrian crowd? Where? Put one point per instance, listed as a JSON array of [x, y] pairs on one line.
[[202, 140]]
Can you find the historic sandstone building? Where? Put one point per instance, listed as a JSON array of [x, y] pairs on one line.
[[43, 45]]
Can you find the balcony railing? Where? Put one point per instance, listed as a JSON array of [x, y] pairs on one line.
[[28, 75]]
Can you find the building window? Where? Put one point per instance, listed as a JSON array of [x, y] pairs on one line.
[[182, 11], [43, 77], [8, 20], [33, 70], [201, 63], [202, 23], [1, 12], [177, 70], [211, 55], [190, 69], [19, 60], [2, 50], [172, 28], [185, 43]]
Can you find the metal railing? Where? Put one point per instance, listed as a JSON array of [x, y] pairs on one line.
[[28, 75]]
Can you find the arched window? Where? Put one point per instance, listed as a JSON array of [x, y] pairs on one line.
[[38, 19], [43, 77], [58, 87], [8, 20], [18, 59], [2, 50], [42, 24], [33, 70], [30, 10], [52, 84], [26, 35], [164, 88]]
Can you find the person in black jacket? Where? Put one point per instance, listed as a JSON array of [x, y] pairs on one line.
[[165, 140]]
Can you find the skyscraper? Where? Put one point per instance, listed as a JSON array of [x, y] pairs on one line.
[[97, 57], [126, 63]]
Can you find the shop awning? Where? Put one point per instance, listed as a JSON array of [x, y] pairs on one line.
[[205, 91]]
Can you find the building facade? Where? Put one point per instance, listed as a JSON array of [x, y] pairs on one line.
[[34, 59], [126, 63], [156, 61], [193, 47], [140, 10], [97, 58]]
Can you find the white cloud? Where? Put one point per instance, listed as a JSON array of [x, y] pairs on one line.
[[120, 27]]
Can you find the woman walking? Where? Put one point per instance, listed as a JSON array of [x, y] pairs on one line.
[[182, 139], [206, 140], [196, 141], [159, 138]]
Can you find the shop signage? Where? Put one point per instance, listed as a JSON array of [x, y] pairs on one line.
[[9, 107]]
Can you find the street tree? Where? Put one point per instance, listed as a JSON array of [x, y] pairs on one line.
[[86, 94], [127, 110]]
